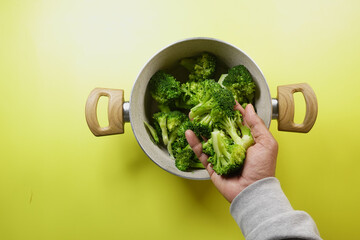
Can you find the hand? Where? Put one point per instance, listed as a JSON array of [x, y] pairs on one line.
[[260, 159]]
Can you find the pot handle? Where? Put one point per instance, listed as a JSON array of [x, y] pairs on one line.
[[115, 111], [286, 108]]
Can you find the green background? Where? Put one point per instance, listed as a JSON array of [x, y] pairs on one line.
[[58, 181]]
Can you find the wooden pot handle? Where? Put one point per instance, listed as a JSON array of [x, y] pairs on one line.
[[287, 108], [115, 111]]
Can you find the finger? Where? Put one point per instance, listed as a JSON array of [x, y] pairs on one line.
[[255, 123], [239, 107], [196, 146]]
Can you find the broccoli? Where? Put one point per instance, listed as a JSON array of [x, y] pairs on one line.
[[186, 159], [190, 125], [238, 132], [215, 103], [164, 108], [191, 93], [221, 79], [210, 106], [161, 126], [201, 67], [167, 124], [206, 122], [164, 88], [174, 121], [228, 157], [246, 137], [153, 132], [181, 140], [240, 83], [208, 148], [228, 144], [198, 129]]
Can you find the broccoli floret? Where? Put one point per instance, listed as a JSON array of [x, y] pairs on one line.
[[167, 125], [201, 130], [216, 103], [185, 159], [208, 148], [174, 120], [164, 88], [240, 82], [246, 137], [181, 131], [205, 122], [228, 156], [172, 139], [180, 141], [201, 67], [191, 93], [228, 144], [198, 129], [238, 132]]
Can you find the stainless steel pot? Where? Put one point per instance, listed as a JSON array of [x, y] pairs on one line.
[[140, 107]]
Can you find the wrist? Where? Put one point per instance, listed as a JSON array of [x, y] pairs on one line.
[[257, 203], [245, 182]]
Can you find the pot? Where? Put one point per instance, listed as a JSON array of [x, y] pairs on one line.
[[140, 107]]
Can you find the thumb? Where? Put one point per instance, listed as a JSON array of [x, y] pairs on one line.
[[255, 123]]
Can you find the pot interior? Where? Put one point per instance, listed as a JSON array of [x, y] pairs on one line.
[[142, 105]]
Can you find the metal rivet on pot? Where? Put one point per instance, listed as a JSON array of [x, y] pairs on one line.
[[126, 109], [275, 108]]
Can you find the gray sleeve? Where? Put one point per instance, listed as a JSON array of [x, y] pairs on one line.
[[263, 212]]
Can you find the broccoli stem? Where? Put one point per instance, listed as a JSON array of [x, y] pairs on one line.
[[247, 139], [230, 128], [207, 120], [221, 79], [221, 152], [201, 108], [152, 131], [197, 164], [164, 133], [188, 63], [164, 108], [172, 138], [222, 147], [214, 137], [219, 146]]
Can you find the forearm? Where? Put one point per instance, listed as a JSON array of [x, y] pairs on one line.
[[262, 211]]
